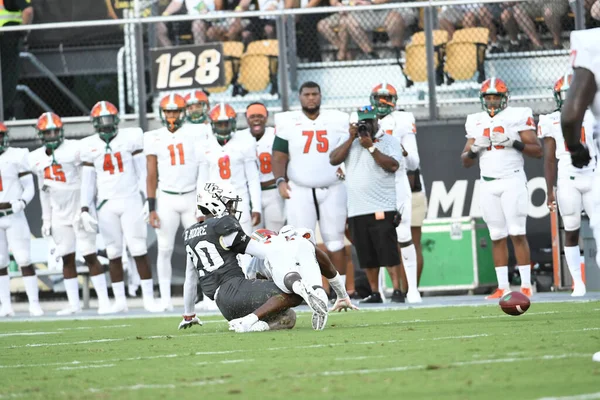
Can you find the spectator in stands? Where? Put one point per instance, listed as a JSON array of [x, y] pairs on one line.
[[357, 24], [306, 28], [595, 10], [510, 26], [551, 10], [263, 27], [371, 158], [199, 27], [12, 12]]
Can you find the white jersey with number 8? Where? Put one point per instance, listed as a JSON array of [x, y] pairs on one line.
[[264, 151], [549, 127], [498, 161]]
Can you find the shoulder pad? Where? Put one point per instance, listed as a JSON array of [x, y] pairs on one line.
[[226, 225]]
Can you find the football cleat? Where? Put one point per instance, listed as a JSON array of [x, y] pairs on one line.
[[527, 291], [35, 310], [413, 296], [498, 293], [578, 290], [69, 311], [6, 311]]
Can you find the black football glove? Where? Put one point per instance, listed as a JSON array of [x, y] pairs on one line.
[[580, 155]]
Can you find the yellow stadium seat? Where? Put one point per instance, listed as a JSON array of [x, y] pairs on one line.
[[472, 35], [232, 53], [415, 67], [465, 53], [259, 66], [440, 37]]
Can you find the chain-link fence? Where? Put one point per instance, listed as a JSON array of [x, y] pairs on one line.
[[435, 56]]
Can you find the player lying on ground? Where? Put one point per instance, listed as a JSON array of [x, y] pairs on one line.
[[212, 247], [293, 261]]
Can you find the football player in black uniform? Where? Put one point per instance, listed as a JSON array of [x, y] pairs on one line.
[[212, 247]]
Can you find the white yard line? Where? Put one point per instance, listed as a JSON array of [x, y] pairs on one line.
[[586, 396], [60, 330], [28, 334], [142, 386], [93, 327], [225, 362], [86, 367]]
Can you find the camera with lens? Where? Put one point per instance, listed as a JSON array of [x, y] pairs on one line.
[[364, 128]]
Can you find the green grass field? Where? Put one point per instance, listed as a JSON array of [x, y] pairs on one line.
[[426, 353]]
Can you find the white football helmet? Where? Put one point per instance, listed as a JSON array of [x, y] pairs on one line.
[[218, 199], [289, 232]]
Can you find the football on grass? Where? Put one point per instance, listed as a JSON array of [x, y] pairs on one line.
[[514, 303]]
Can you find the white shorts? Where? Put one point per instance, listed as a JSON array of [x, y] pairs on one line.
[[404, 204], [573, 195], [301, 211], [173, 209], [504, 205], [16, 236], [273, 210], [120, 219], [69, 238], [294, 256]]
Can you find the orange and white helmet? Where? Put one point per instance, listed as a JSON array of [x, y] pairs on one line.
[[561, 87], [384, 98], [105, 119], [4, 142], [197, 106], [175, 105], [263, 235], [223, 119], [494, 87], [49, 128]]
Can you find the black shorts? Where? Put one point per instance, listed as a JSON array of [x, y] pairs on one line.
[[257, 27], [376, 241], [239, 296]]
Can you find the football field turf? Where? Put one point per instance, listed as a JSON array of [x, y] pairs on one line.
[[424, 353]]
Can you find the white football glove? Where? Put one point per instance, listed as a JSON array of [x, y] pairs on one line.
[[242, 325], [501, 139], [146, 212], [188, 321], [17, 206], [88, 222], [343, 304], [481, 143], [46, 228]]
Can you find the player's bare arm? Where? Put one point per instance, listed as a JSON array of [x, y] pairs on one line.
[[550, 170], [280, 161], [85, 208], [151, 184], [532, 146], [468, 156], [389, 164], [337, 156], [580, 95]]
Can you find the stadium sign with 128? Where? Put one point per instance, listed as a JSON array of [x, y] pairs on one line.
[[187, 67]]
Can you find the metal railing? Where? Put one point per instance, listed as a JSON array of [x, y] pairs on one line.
[[345, 83]]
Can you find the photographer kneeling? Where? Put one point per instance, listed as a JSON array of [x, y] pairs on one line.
[[371, 158]]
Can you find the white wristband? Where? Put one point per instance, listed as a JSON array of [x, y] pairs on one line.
[[338, 287]]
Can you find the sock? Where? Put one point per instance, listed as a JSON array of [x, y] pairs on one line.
[[502, 277], [72, 289], [525, 272], [147, 289], [99, 282], [5, 291], [165, 292], [409, 258], [297, 288], [573, 256], [119, 291], [31, 288]]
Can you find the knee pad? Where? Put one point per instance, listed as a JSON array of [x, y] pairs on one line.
[[114, 251], [571, 222], [23, 260], [497, 234], [516, 230], [137, 248], [334, 245]]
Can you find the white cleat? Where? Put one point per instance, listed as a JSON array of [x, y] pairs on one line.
[[413, 296], [35, 310], [132, 289], [118, 306], [168, 307], [153, 307], [314, 301], [6, 311], [579, 290], [69, 311], [319, 320]]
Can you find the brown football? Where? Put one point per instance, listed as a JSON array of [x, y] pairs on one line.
[[514, 303]]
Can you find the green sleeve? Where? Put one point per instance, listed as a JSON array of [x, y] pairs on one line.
[[280, 144]]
